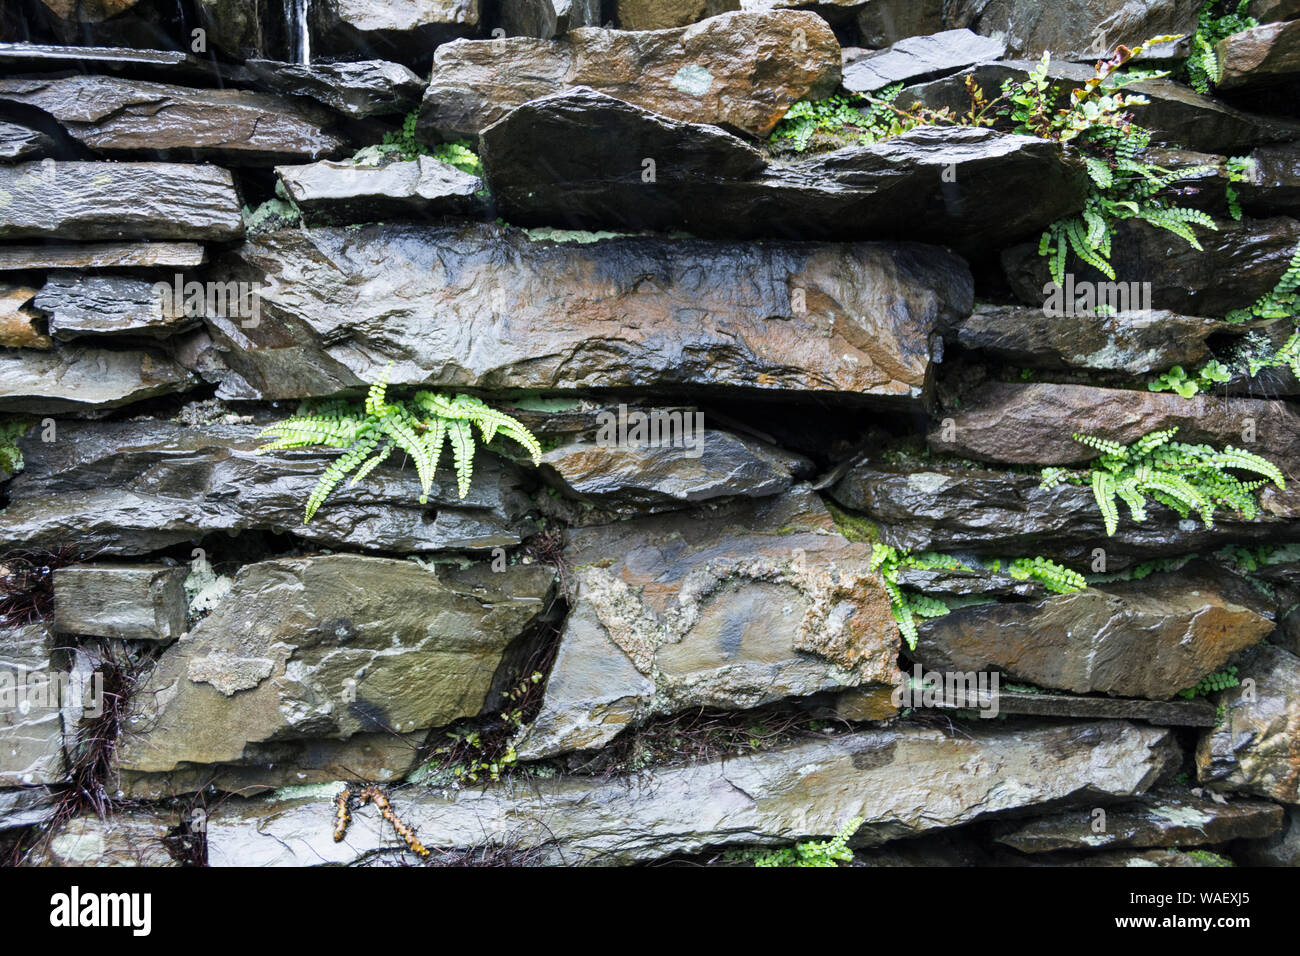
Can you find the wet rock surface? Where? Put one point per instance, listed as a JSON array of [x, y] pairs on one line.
[[554, 160], [1132, 342], [734, 609], [76, 379], [738, 70], [679, 467], [397, 29], [620, 312], [343, 192], [119, 117], [89, 305], [19, 144], [1255, 747], [1260, 57], [1160, 819], [761, 799], [544, 19], [31, 729], [920, 58], [102, 200], [996, 513], [1149, 638], [128, 488], [1238, 264], [330, 646], [1033, 424], [357, 89], [139, 602], [101, 255]]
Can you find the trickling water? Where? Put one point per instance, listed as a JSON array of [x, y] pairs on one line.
[[295, 15]]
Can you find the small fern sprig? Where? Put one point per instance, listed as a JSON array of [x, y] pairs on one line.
[[370, 433], [1055, 577], [1185, 478], [11, 456], [907, 606]]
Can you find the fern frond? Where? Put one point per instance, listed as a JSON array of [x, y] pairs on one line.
[[462, 451]]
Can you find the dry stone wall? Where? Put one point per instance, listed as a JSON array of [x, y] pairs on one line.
[[914, 458]]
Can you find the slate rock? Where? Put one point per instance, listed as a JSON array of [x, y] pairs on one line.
[[19, 144], [544, 19], [404, 30], [674, 470], [1033, 424], [1239, 263], [1161, 819], [330, 646], [73, 379], [1272, 183], [1081, 29], [764, 799], [134, 837], [732, 609], [577, 157], [651, 313], [31, 731], [356, 89], [1255, 747], [942, 507], [133, 602], [1260, 57], [101, 255], [25, 807], [920, 58], [741, 71], [92, 305], [854, 705], [128, 488], [1281, 849], [344, 192], [124, 118], [668, 14], [1148, 638], [104, 200], [1134, 342]]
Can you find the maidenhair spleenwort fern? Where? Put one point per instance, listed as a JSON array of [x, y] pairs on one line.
[[11, 456], [1186, 478], [1218, 19], [1055, 577], [907, 606], [370, 433], [1096, 120], [822, 853]]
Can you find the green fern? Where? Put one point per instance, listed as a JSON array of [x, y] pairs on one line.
[[1186, 478], [369, 434], [1218, 19], [1055, 577], [1096, 120], [404, 144], [907, 605], [11, 456], [1212, 683], [811, 853]]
